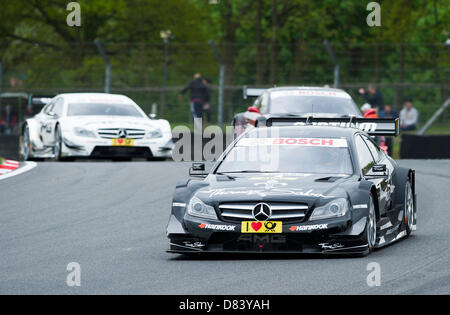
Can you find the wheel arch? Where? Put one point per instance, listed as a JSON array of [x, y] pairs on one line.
[[401, 176]]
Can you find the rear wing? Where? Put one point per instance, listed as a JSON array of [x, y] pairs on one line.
[[252, 92], [373, 126], [40, 99]]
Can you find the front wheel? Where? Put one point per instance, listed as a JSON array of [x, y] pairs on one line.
[[58, 144], [371, 227], [25, 150]]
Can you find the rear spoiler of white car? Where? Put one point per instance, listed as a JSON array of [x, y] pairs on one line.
[[373, 126], [40, 100], [252, 92]]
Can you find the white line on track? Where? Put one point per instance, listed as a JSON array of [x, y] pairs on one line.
[[27, 167]]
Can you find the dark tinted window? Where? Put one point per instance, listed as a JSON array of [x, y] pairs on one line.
[[289, 155], [100, 109], [364, 156], [375, 150]]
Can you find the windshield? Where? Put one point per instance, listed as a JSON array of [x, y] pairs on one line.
[[313, 102], [102, 109], [288, 155]]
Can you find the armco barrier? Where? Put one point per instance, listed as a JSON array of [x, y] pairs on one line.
[[425, 147], [9, 147]]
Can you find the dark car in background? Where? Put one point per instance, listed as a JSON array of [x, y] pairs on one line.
[[295, 101]]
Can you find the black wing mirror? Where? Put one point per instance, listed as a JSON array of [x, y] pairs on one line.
[[379, 168], [378, 171], [198, 169]]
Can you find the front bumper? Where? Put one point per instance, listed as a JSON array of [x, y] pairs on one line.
[[75, 146], [333, 236]]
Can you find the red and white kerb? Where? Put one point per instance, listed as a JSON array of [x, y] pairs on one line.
[[8, 166]]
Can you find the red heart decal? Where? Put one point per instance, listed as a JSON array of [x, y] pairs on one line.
[[120, 141], [256, 226]]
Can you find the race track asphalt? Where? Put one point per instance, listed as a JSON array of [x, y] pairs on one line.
[[111, 219]]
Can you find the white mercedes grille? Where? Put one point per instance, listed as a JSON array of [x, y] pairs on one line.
[[111, 133]]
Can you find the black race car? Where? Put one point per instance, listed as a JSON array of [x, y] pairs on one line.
[[301, 185], [294, 101]]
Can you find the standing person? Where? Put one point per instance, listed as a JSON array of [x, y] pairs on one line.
[[207, 106], [368, 111], [373, 97], [388, 112], [198, 94], [409, 116]]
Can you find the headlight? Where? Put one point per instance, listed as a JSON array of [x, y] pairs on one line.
[[333, 209], [157, 133], [197, 208], [84, 132]]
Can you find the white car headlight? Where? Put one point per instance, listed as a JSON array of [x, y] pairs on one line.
[[333, 209], [82, 132], [157, 133], [198, 208]]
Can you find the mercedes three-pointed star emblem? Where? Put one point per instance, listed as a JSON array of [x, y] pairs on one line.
[[262, 212]]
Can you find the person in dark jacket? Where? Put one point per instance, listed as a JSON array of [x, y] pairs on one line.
[[198, 95], [373, 97], [207, 110]]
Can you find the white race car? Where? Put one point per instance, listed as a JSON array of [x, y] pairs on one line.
[[94, 125]]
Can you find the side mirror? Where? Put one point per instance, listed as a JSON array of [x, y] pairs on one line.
[[197, 169], [152, 116], [51, 114], [378, 171], [379, 168]]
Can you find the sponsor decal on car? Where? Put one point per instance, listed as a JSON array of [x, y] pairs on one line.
[[263, 239], [315, 142], [193, 244], [331, 246], [262, 192], [123, 142], [261, 227], [217, 227], [337, 94], [301, 228]]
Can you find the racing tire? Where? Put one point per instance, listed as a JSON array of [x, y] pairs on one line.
[[408, 215], [371, 226], [58, 147], [25, 143]]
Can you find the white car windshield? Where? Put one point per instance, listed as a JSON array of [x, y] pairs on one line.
[[102, 109], [313, 102]]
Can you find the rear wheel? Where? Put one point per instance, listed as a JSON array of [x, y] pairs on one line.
[[371, 228], [409, 208]]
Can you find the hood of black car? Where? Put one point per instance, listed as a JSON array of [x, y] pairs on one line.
[[262, 187]]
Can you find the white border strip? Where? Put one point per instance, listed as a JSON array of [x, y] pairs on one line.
[[27, 167]]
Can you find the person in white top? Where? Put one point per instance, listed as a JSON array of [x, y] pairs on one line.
[[409, 117]]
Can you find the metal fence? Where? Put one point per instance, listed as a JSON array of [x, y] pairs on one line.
[[401, 71]]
